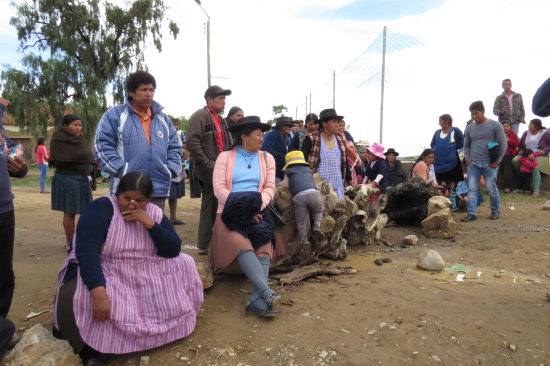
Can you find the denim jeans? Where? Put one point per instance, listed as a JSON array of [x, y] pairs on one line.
[[475, 171], [515, 127], [43, 173]]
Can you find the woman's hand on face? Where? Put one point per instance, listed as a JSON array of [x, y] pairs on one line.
[[137, 214], [258, 218], [101, 304]]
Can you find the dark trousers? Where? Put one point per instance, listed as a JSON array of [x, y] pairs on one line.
[[209, 206], [7, 278], [508, 172], [6, 332], [525, 181], [194, 183]]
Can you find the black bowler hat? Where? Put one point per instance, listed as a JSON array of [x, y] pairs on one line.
[[215, 91], [284, 121], [391, 150], [328, 114], [248, 124]]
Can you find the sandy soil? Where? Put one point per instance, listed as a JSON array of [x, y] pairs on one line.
[[389, 315]]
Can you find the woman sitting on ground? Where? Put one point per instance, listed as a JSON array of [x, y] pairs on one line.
[[325, 152], [536, 138], [424, 167], [376, 167], [125, 286], [71, 155], [244, 184], [395, 173]]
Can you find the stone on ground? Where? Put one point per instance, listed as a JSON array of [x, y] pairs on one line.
[[439, 225], [430, 260], [546, 205], [410, 240], [38, 347]]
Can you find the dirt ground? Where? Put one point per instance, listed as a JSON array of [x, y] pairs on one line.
[[389, 315]]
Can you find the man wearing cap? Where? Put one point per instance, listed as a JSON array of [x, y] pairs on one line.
[[298, 138], [233, 116], [207, 137], [138, 136], [275, 143]]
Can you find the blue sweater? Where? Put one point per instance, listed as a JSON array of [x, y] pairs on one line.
[[6, 197], [300, 178], [91, 233], [276, 145]]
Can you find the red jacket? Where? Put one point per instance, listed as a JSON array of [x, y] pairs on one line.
[[513, 143], [527, 165]]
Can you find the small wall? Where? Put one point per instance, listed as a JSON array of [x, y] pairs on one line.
[[544, 182]]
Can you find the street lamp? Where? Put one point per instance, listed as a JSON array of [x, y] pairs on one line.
[[207, 41]]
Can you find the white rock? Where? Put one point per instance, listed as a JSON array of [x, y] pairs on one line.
[[144, 361], [372, 331], [323, 354], [382, 325], [436, 359], [512, 347], [430, 260], [437, 203], [546, 205], [267, 350]]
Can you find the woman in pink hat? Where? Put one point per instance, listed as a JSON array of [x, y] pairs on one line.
[[375, 169]]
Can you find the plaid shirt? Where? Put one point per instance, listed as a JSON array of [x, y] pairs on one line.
[[315, 152]]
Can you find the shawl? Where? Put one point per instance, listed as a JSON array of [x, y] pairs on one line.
[[68, 148], [314, 155], [238, 215]]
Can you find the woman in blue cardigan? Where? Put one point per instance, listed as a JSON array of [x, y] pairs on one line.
[[446, 142]]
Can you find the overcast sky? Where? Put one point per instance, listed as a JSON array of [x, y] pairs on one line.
[[442, 55]]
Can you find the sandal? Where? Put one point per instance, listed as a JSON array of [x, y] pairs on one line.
[[203, 251], [177, 222], [272, 299], [536, 194]]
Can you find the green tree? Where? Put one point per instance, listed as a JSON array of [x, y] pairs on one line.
[[184, 122], [85, 50], [278, 111]]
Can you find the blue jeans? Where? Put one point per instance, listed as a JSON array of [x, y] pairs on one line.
[[515, 127], [475, 171], [43, 173]]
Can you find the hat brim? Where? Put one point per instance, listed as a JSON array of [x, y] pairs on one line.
[[339, 118], [378, 154], [296, 163], [391, 152], [236, 129]]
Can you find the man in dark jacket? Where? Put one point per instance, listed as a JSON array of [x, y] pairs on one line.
[[9, 167], [541, 100], [207, 137], [275, 143]]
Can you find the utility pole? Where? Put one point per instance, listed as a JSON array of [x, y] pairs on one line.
[[382, 86], [296, 112], [334, 89], [207, 43], [306, 105], [309, 102]]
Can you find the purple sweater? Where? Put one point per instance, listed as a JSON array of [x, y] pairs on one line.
[[544, 142]]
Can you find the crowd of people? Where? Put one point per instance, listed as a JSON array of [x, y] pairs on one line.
[[125, 286]]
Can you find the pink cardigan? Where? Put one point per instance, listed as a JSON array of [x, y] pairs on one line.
[[222, 178]]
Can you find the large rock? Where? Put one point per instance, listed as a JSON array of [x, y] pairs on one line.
[[439, 225], [38, 347], [408, 201], [437, 203], [546, 205], [430, 260]]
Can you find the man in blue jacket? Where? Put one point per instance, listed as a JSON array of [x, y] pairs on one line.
[[275, 143], [9, 167], [138, 136]]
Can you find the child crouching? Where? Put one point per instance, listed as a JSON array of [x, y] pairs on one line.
[[307, 199], [527, 163]]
